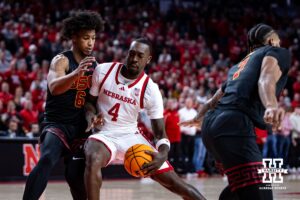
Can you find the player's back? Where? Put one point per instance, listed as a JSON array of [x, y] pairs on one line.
[[241, 90]]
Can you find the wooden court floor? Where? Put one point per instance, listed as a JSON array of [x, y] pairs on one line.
[[146, 189]]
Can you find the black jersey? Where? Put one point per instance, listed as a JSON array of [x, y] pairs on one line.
[[68, 108], [241, 91]]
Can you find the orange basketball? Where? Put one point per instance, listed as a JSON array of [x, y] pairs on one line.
[[135, 158]]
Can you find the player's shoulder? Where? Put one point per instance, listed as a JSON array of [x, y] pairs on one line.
[[104, 67], [278, 50], [151, 85], [60, 60]]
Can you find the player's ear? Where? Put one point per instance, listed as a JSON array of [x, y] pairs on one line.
[[149, 59], [269, 41]]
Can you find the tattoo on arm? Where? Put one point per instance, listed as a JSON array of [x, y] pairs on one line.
[[210, 104]]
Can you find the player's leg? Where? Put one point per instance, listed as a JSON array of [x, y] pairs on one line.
[[74, 174], [51, 150], [230, 137], [227, 194], [97, 156], [175, 184], [241, 158]]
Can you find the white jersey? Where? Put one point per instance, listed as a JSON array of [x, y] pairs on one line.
[[120, 100]]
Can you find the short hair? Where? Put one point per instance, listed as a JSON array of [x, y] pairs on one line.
[[146, 41], [82, 20], [258, 34]]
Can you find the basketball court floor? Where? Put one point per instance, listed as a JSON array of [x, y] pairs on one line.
[[146, 189]]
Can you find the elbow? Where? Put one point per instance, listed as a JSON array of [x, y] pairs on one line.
[[53, 90]]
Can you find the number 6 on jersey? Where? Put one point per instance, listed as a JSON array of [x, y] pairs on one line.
[[114, 112]]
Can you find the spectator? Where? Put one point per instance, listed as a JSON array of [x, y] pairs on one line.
[[31, 57], [283, 137], [5, 95], [294, 162], [28, 115], [13, 128], [17, 98], [261, 138], [296, 100], [173, 132], [199, 152], [165, 57], [296, 85], [269, 149], [34, 131], [4, 63], [188, 134]]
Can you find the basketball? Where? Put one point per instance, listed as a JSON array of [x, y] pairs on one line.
[[135, 157]]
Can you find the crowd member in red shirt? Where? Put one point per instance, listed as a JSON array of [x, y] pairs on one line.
[[261, 137], [5, 96], [296, 100], [28, 115], [296, 85], [173, 131]]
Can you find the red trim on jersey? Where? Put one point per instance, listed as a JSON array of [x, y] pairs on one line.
[[143, 92], [242, 165], [106, 145], [106, 75], [60, 134], [136, 80], [232, 189], [160, 171], [132, 84], [118, 71]]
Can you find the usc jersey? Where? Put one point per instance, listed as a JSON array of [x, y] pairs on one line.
[[120, 100]]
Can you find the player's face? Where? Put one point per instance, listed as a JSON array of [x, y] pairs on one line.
[[84, 41], [137, 58]]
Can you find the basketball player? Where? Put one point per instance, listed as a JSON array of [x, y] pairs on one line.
[[68, 86], [122, 90], [248, 99]]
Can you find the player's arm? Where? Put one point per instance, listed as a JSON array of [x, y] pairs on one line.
[[58, 81], [154, 107], [162, 145], [93, 117], [269, 75], [210, 104]]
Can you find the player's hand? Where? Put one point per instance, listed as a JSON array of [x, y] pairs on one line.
[[96, 121], [84, 64], [192, 123], [274, 116], [158, 159]]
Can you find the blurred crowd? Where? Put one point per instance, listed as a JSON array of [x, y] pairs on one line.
[[194, 42]]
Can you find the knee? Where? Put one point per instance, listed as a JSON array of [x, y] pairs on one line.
[[93, 158], [47, 160]]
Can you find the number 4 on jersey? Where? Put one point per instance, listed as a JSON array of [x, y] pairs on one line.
[[114, 112]]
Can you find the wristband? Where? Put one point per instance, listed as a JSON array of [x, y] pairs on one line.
[[162, 141]]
